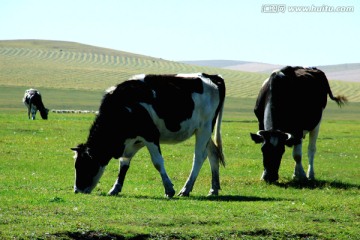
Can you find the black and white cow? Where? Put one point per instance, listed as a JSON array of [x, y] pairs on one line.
[[33, 102], [290, 105], [148, 110]]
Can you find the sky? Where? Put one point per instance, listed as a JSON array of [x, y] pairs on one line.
[[266, 31]]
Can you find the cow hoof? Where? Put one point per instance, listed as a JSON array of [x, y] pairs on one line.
[[170, 194], [183, 193], [311, 178], [213, 192], [115, 190], [113, 193], [301, 178]]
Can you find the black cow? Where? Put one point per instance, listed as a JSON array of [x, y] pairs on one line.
[[290, 104], [33, 102], [148, 110]]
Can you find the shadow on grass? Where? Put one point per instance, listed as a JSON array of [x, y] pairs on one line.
[[258, 234], [317, 184], [98, 235], [220, 198], [236, 198]]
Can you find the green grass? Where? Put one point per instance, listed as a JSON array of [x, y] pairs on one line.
[[37, 168], [37, 175]]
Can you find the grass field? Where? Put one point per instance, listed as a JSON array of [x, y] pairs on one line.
[[65, 65], [37, 176], [37, 173]]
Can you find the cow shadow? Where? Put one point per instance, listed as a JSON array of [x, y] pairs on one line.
[[236, 198], [219, 198], [317, 184]]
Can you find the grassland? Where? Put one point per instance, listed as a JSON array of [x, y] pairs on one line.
[[64, 65], [37, 171]]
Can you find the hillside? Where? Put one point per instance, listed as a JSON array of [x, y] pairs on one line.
[[69, 65], [342, 72]]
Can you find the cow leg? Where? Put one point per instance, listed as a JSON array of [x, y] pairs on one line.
[[158, 162], [214, 165], [29, 111], [299, 173], [33, 111], [117, 187], [199, 158], [28, 106], [312, 150], [129, 151]]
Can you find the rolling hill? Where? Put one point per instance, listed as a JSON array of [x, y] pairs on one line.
[[70, 65], [343, 72]]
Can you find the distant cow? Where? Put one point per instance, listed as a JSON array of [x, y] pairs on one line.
[[33, 102], [290, 104], [148, 110]]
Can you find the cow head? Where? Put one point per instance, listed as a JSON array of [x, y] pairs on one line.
[[87, 170], [44, 113], [273, 147]]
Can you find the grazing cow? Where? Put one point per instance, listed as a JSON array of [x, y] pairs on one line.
[[290, 104], [33, 102], [148, 110]]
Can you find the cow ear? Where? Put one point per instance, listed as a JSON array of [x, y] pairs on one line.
[[257, 138], [79, 147], [291, 140]]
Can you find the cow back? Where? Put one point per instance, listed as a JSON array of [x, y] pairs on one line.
[[297, 97]]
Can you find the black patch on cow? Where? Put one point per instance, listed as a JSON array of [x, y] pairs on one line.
[[297, 99], [173, 98], [219, 82], [121, 117]]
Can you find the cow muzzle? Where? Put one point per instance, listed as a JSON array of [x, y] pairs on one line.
[[86, 190]]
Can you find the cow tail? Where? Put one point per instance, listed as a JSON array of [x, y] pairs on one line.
[[217, 137], [339, 99]]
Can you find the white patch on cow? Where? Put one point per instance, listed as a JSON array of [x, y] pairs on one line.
[[312, 150], [267, 117], [110, 90], [166, 136], [75, 155], [189, 75], [278, 72], [281, 74], [208, 81], [138, 77], [309, 67]]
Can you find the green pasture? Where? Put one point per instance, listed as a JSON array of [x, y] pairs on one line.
[[37, 168], [37, 174]]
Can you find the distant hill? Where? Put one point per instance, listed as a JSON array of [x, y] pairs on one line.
[[342, 72], [243, 66], [60, 65], [71, 65]]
